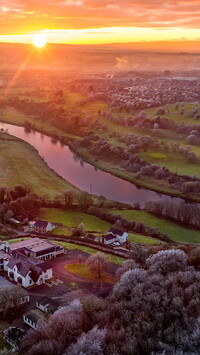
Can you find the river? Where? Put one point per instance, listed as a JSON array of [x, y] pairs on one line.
[[83, 175]]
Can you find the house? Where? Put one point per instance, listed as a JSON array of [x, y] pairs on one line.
[[95, 238], [43, 226], [121, 236], [109, 239], [28, 271], [4, 258], [38, 248], [47, 305], [32, 317], [13, 336]]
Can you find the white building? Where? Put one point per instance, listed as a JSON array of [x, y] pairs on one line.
[[121, 236], [43, 226], [28, 271], [109, 239], [32, 317]]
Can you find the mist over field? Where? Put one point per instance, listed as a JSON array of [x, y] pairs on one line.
[[82, 59]]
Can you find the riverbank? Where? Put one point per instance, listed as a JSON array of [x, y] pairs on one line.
[[21, 164], [106, 166]]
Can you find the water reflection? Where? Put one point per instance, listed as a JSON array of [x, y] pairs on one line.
[[81, 174]]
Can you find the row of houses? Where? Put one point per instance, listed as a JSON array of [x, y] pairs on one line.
[[27, 262], [14, 335]]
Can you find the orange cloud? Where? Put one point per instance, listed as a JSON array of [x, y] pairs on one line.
[[87, 14]]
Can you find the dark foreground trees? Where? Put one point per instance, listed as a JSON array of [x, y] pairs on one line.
[[153, 309]]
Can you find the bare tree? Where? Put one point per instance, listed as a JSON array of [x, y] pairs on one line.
[[98, 262]]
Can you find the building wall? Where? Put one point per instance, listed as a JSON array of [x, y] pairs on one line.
[[29, 322], [27, 281], [109, 241]]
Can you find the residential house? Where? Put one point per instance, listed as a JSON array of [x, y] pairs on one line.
[[47, 305], [121, 236], [95, 238], [28, 271], [109, 239], [4, 258], [32, 317], [43, 227]]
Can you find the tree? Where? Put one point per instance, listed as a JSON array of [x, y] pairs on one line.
[[166, 261], [10, 297], [59, 330], [69, 196], [98, 262], [89, 343]]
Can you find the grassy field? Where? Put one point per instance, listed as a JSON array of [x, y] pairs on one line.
[[112, 258], [84, 271], [136, 238], [20, 164], [91, 223], [73, 219], [173, 161], [175, 231]]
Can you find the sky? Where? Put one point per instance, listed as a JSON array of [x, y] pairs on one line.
[[99, 21]]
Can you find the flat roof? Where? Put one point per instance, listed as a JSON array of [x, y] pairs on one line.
[[33, 244]]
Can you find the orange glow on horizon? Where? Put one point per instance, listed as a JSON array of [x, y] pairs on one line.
[[103, 35]]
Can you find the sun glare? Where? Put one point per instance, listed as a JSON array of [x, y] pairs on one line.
[[39, 40]]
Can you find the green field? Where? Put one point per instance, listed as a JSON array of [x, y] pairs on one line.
[[73, 219], [112, 258], [137, 238], [91, 223], [175, 231], [85, 271], [20, 164], [173, 161]]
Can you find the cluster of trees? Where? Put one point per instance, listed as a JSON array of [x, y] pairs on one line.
[[10, 298], [183, 213], [154, 309], [17, 202], [50, 111]]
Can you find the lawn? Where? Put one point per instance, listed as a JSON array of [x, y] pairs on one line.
[[84, 271], [175, 115], [112, 258], [73, 219], [21, 164], [175, 231], [173, 161], [136, 238]]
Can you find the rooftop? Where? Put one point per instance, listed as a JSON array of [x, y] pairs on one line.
[[33, 244], [116, 231], [35, 315], [109, 237]]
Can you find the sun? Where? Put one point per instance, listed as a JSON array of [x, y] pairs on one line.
[[39, 40]]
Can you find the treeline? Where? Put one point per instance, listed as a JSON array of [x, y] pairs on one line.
[[18, 202], [129, 226], [184, 213], [153, 309]]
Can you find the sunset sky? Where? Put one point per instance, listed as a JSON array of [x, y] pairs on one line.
[[99, 21]]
